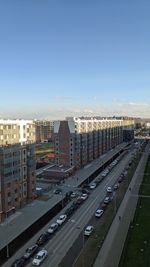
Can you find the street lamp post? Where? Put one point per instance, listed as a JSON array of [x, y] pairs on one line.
[[62, 201], [83, 265]]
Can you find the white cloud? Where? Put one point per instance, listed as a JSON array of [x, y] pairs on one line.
[[60, 112]]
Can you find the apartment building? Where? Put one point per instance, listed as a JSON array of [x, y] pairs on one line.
[[17, 165], [44, 130], [81, 140], [17, 131]]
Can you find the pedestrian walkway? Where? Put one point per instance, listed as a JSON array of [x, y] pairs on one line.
[[110, 253]]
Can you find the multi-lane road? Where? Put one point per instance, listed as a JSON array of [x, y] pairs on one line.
[[66, 235]]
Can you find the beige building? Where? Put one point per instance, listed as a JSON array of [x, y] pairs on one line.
[[17, 131]]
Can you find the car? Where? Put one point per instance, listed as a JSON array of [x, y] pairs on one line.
[[62, 218], [120, 179], [79, 201], [53, 227], [84, 196], [68, 194], [93, 186], [116, 186], [30, 251], [57, 191], [106, 200], [103, 206], [106, 171], [97, 182], [41, 255], [89, 229], [87, 186], [19, 262], [103, 174], [73, 195], [42, 239], [99, 213], [99, 179], [85, 191], [109, 189], [125, 173], [74, 206], [70, 210]]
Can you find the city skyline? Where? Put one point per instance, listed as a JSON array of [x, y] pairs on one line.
[[62, 58]]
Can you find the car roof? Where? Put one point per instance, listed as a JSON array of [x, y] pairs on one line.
[[99, 210], [53, 224], [89, 227], [33, 246], [40, 253]]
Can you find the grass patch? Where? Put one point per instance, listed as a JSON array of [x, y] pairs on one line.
[[137, 245]]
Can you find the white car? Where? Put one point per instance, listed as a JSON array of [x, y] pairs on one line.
[[53, 227], [84, 196], [109, 189], [107, 200], [41, 255], [61, 219], [73, 195], [104, 174], [93, 186], [116, 186], [98, 213], [89, 229]]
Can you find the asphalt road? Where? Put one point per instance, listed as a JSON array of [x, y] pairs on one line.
[[65, 237]]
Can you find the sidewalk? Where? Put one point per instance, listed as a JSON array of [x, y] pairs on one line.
[[110, 253]]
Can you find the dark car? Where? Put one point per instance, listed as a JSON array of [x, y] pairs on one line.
[[85, 191], [79, 201], [120, 179], [19, 262], [86, 186], [57, 191], [43, 238], [74, 206], [103, 206], [30, 251], [68, 194], [69, 211], [98, 182]]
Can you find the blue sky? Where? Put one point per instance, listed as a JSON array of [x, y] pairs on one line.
[[65, 57]]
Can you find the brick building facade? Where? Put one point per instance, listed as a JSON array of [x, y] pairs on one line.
[[81, 140]]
